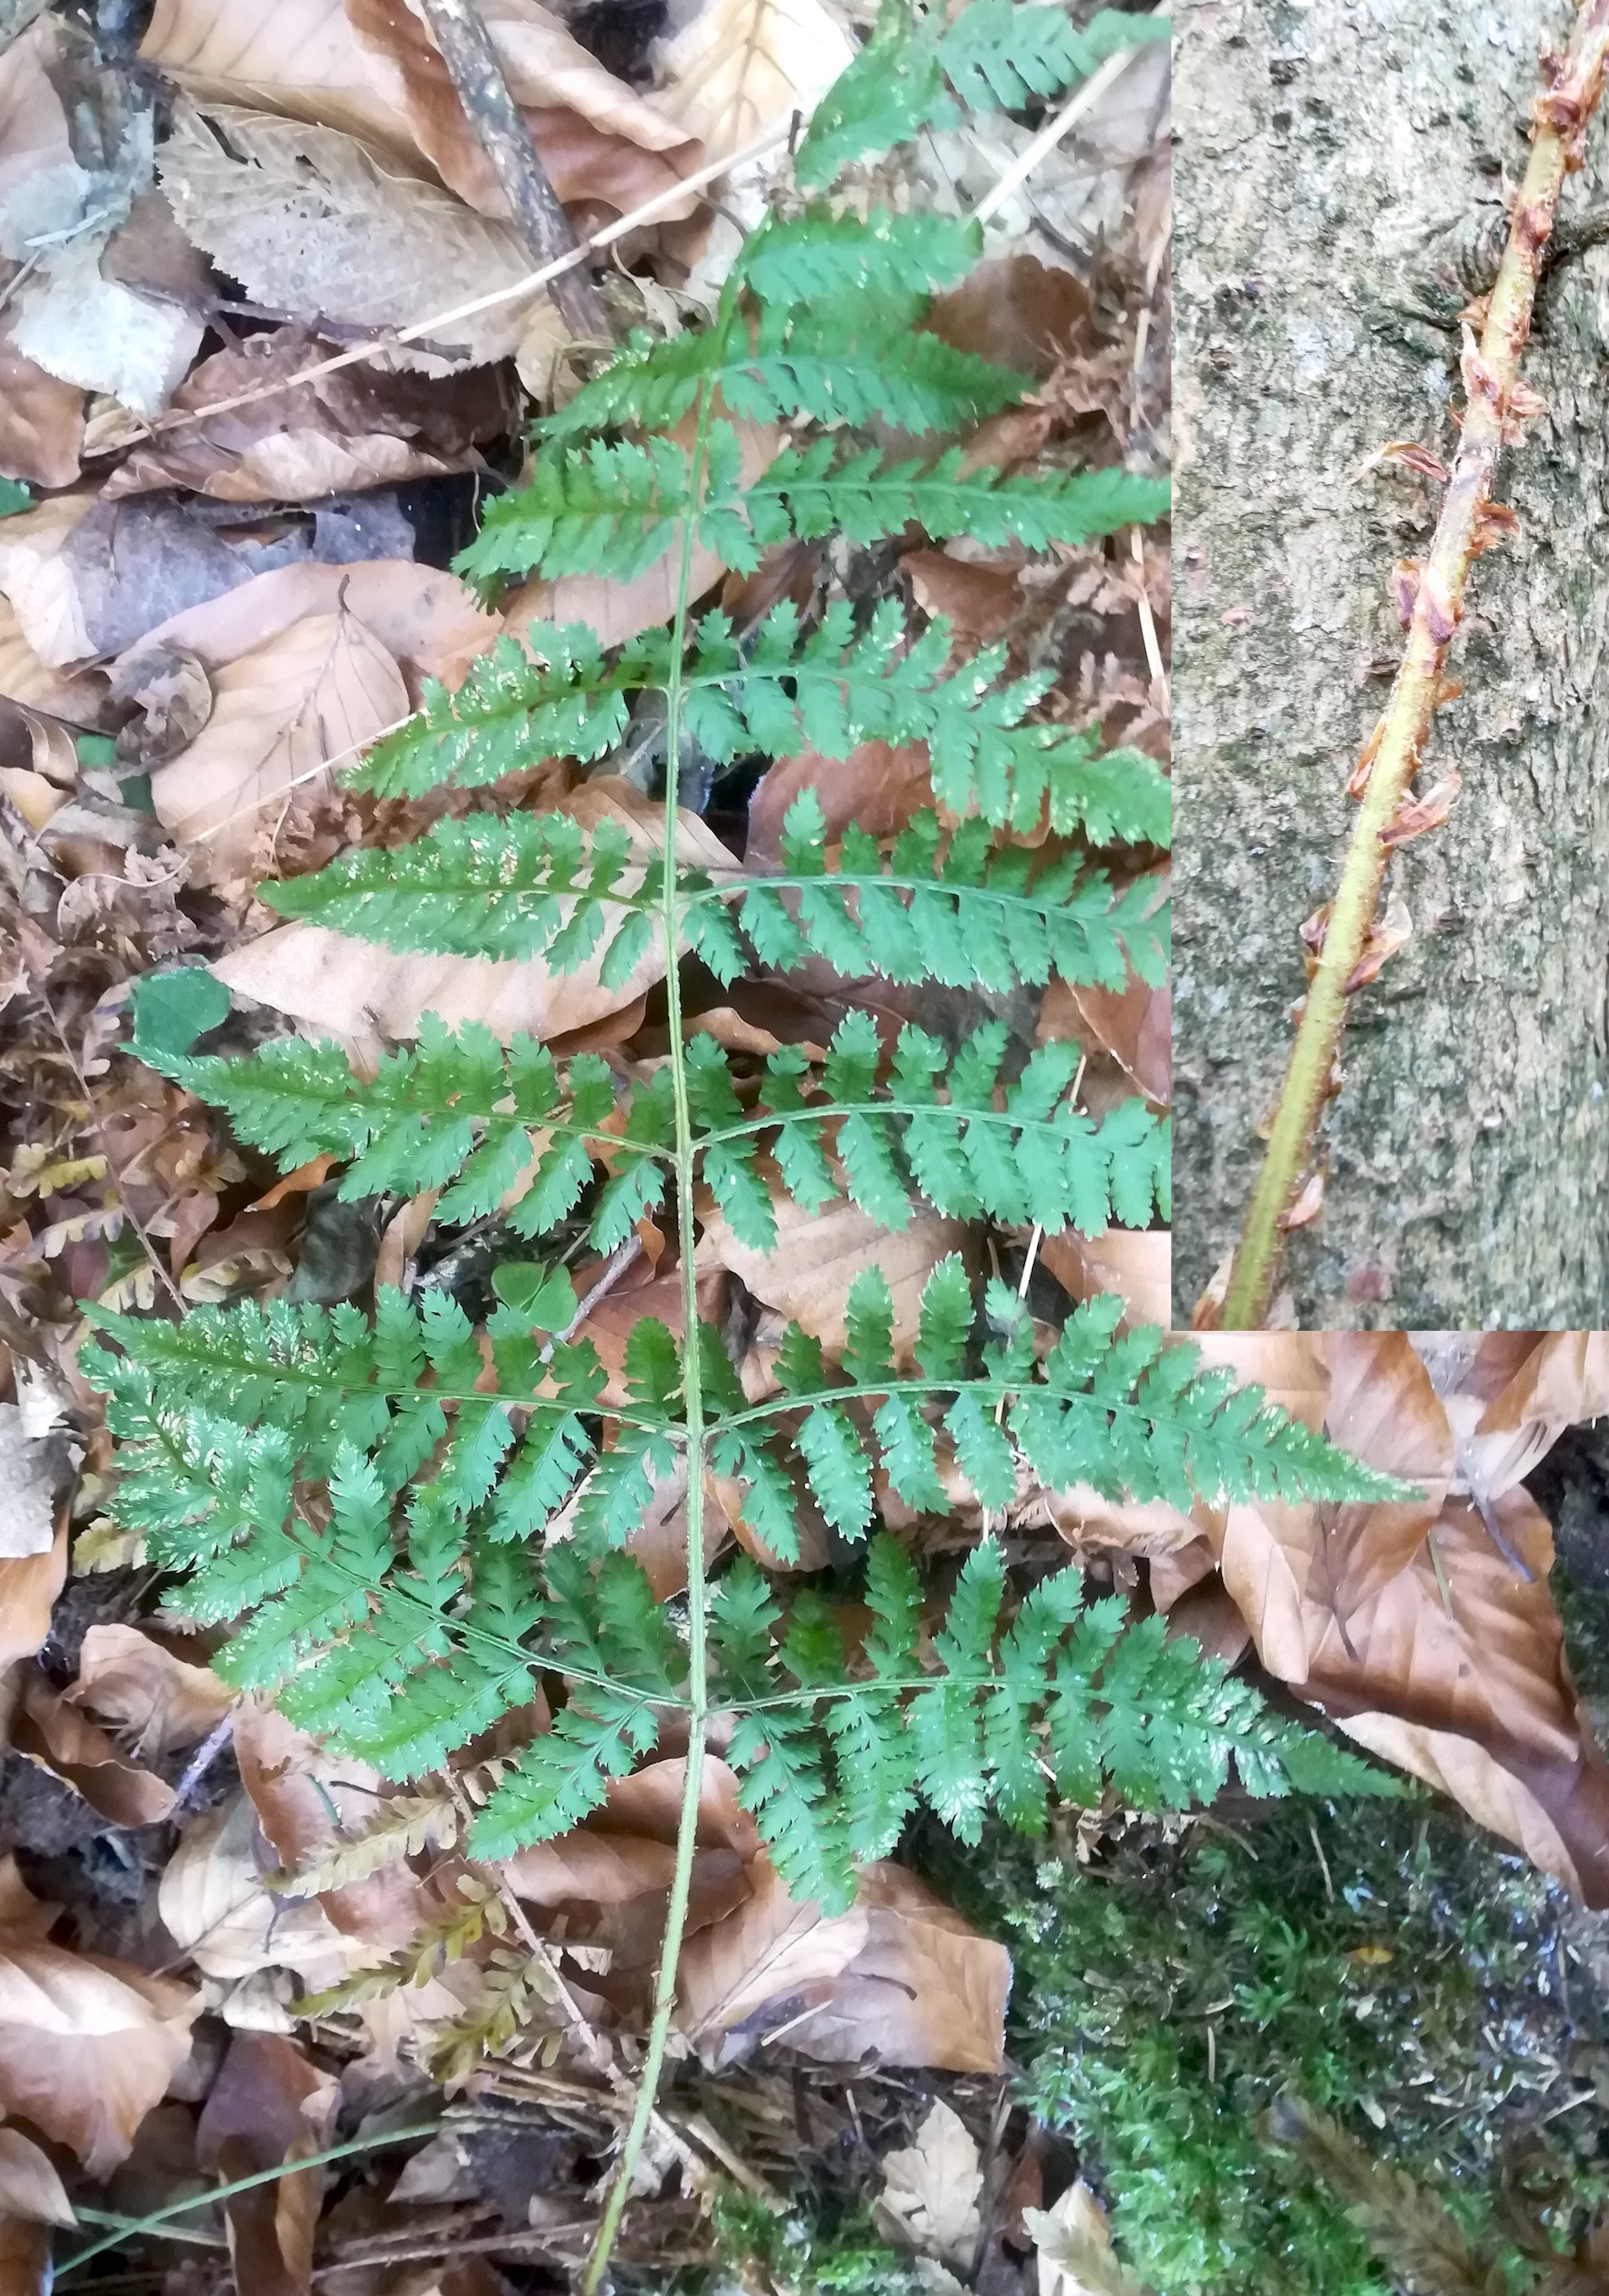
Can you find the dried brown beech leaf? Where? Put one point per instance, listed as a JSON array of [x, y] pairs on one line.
[[617, 610], [1299, 1572], [24, 2258], [342, 433], [56, 1737], [269, 2105], [899, 1975], [87, 2045], [425, 619], [304, 1799], [1020, 313], [323, 689], [29, 1588], [1455, 1669], [313, 222], [977, 599], [81, 698], [139, 1685], [1509, 1395], [41, 422], [1133, 1024], [41, 590], [219, 1911], [627, 1850], [597, 139], [369, 68], [817, 1255], [29, 2185], [932, 2187], [739, 65]]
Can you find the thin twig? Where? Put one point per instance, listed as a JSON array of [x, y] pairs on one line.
[[1495, 402], [499, 128], [195, 1770]]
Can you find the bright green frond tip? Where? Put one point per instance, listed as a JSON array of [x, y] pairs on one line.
[[916, 71]]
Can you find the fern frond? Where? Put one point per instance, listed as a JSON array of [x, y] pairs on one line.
[[853, 363], [1066, 1692], [936, 907], [401, 1827], [819, 491], [552, 697], [993, 55], [820, 257]]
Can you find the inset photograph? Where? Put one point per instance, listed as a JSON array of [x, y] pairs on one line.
[[1391, 1018]]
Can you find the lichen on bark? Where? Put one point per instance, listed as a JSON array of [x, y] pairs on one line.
[[1341, 168]]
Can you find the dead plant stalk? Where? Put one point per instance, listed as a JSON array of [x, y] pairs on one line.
[[1496, 402]]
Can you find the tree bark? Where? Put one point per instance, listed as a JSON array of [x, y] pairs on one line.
[[1341, 168]]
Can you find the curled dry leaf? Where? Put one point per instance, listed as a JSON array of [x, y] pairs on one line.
[[932, 2187], [1074, 2244], [220, 1913], [1410, 1623], [818, 1255], [898, 1976], [81, 698], [1133, 1024], [1508, 1396], [29, 2185], [304, 1798], [268, 2106], [54, 1735], [1457, 1671], [596, 138], [28, 1587], [172, 690], [42, 596], [140, 1686], [323, 689], [87, 2045], [313, 222], [1296, 1572], [426, 620], [877, 785], [41, 421], [369, 68], [354, 429], [737, 66]]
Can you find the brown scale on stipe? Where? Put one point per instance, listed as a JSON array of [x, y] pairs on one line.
[[1346, 943]]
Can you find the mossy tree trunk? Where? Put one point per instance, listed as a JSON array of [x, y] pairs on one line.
[[1341, 168]]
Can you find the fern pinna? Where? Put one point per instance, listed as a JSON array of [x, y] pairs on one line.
[[378, 1497]]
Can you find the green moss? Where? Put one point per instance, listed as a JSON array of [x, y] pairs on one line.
[[1383, 1964]]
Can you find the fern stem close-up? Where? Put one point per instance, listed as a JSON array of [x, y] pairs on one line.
[[693, 1398], [1495, 405]]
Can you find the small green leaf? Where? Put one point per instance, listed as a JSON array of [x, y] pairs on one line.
[[172, 1009], [545, 1296]]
